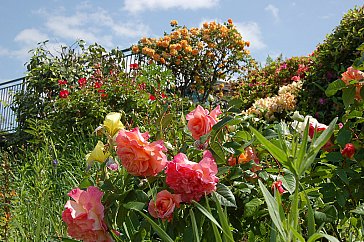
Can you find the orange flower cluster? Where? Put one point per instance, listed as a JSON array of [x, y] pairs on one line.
[[214, 49]]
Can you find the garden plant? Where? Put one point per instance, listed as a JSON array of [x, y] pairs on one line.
[[158, 150]]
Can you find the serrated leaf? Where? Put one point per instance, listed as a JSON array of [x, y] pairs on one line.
[[85, 183], [334, 87], [225, 196], [218, 152], [251, 207], [344, 136]]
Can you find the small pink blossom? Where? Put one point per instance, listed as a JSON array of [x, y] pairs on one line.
[[296, 78], [277, 185], [164, 204]]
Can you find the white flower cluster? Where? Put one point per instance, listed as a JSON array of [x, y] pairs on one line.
[[284, 101]]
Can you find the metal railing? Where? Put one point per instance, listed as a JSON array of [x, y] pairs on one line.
[[8, 122]]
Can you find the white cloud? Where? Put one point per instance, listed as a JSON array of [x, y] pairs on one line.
[[31, 36], [251, 32], [273, 10], [135, 6]]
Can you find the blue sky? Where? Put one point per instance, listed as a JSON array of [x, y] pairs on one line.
[[293, 28]]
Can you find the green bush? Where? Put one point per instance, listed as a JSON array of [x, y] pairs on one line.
[[337, 52]]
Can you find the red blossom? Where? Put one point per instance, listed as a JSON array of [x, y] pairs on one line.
[[63, 93], [134, 66], [62, 82], [97, 85], [82, 82], [152, 98], [348, 151], [163, 95], [296, 78], [278, 186]]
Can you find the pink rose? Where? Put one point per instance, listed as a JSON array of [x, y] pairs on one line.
[[138, 156], [85, 215], [348, 151], [190, 179], [200, 122], [164, 205]]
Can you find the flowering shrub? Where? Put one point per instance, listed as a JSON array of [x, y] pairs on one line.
[[285, 101], [199, 57]]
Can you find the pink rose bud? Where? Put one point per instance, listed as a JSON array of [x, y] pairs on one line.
[[278, 186], [348, 151]]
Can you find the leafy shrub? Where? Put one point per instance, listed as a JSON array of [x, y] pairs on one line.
[[337, 52]]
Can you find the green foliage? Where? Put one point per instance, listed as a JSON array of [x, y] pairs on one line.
[[332, 57]]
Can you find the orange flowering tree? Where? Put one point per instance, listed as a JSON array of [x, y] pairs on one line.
[[199, 57]]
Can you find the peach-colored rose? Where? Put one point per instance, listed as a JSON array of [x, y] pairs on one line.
[[352, 74], [200, 122], [85, 216], [190, 179], [164, 205], [138, 156], [249, 155]]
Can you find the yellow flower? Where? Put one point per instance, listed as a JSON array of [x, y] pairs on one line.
[[99, 154], [112, 123]]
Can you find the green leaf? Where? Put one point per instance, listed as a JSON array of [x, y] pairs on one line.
[[194, 226], [348, 96], [85, 183], [327, 215], [310, 218], [334, 87], [223, 220], [289, 181], [359, 209], [134, 205], [204, 211], [317, 236], [241, 136], [218, 152], [225, 196], [251, 207], [273, 209], [166, 120], [164, 236], [274, 150], [344, 136]]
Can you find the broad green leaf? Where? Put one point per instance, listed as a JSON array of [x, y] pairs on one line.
[[274, 150], [348, 96], [344, 136], [225, 196], [288, 181], [334, 87], [359, 209], [166, 120], [161, 232], [194, 226], [218, 152], [327, 215], [251, 207], [85, 183], [273, 209], [241, 136]]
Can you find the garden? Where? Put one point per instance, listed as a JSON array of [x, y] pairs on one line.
[[193, 141]]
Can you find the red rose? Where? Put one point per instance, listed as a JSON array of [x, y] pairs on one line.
[[82, 82], [63, 93], [62, 82], [348, 151], [151, 97]]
